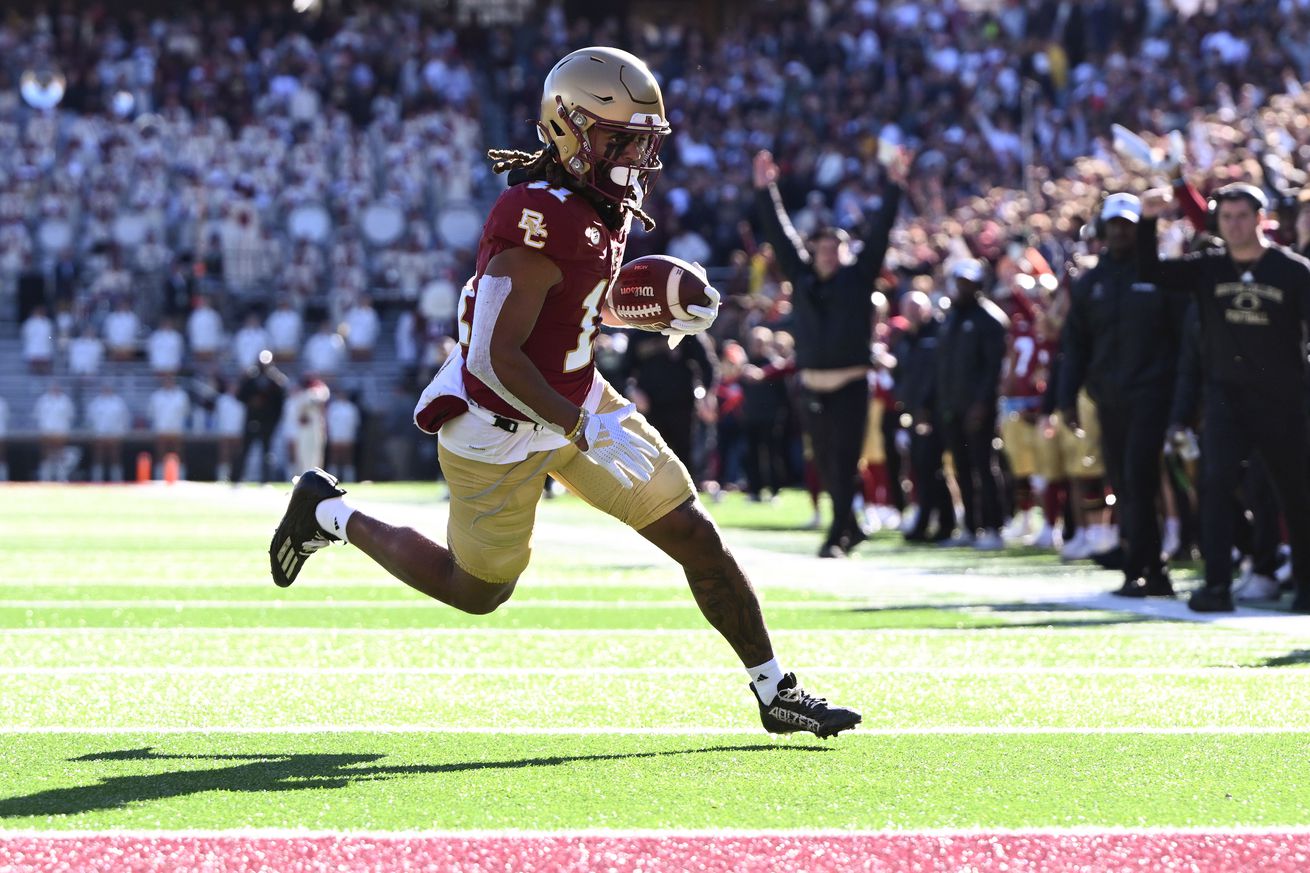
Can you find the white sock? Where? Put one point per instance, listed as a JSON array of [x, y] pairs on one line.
[[765, 678], [332, 515]]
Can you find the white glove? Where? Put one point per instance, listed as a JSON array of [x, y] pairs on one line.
[[627, 455], [702, 318]]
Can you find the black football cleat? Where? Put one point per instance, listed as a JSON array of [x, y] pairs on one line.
[[794, 710], [298, 535]]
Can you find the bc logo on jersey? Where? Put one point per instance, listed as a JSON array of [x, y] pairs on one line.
[[533, 224]]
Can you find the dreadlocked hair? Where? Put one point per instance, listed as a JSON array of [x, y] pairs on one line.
[[542, 165]]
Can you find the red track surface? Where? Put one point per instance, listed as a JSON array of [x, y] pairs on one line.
[[1010, 852]]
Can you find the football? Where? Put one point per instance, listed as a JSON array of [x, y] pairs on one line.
[[652, 291]]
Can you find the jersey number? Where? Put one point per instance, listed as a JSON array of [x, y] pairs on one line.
[[581, 355], [1024, 347]]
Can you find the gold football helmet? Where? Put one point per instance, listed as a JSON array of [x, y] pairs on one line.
[[610, 90]]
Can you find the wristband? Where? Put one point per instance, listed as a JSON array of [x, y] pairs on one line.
[[572, 435]]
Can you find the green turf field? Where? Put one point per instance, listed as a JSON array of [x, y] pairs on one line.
[[151, 676]]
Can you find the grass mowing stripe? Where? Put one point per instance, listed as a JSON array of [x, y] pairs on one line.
[[810, 669], [612, 619], [461, 781], [798, 650], [531, 698], [679, 731]]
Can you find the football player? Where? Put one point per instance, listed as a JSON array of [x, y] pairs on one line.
[[521, 399]]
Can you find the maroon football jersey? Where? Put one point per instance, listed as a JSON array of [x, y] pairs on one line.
[[565, 228], [1028, 361]]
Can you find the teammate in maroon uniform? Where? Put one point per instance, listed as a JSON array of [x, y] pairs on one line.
[[521, 398], [1023, 382]]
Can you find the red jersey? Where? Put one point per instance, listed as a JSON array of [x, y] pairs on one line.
[[1027, 361], [567, 229]]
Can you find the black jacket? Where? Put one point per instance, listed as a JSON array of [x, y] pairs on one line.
[[1253, 318], [669, 376], [971, 350], [832, 320], [916, 368], [1121, 337], [1187, 387]]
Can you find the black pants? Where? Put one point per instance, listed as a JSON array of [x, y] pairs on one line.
[[261, 433], [1236, 425], [1132, 439], [835, 421], [891, 424], [766, 463], [674, 422], [977, 471], [930, 484], [1262, 501]]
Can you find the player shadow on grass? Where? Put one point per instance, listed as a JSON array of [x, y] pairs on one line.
[[1058, 615], [274, 772], [1292, 658]]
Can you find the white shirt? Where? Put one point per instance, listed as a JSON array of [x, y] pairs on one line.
[[121, 327], [284, 327], [164, 348], [247, 345], [229, 415], [168, 410], [54, 413], [84, 355], [108, 415], [204, 329], [324, 353], [38, 338], [342, 421], [362, 327]]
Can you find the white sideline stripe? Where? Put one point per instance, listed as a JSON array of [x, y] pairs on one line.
[[383, 670], [641, 833], [677, 731], [272, 603]]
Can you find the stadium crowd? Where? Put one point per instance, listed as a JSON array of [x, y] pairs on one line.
[[199, 188]]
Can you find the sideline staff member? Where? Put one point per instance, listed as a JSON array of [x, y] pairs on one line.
[[1254, 302], [832, 311]]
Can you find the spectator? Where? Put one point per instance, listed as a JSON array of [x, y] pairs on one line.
[[109, 420], [165, 347], [85, 353], [204, 330], [122, 328], [325, 351], [38, 341], [971, 349], [54, 415], [361, 329], [284, 331], [764, 410], [229, 424], [169, 407], [249, 341], [342, 432]]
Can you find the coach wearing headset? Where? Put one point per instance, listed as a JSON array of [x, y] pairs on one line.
[[1253, 298], [832, 320], [1121, 341]]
